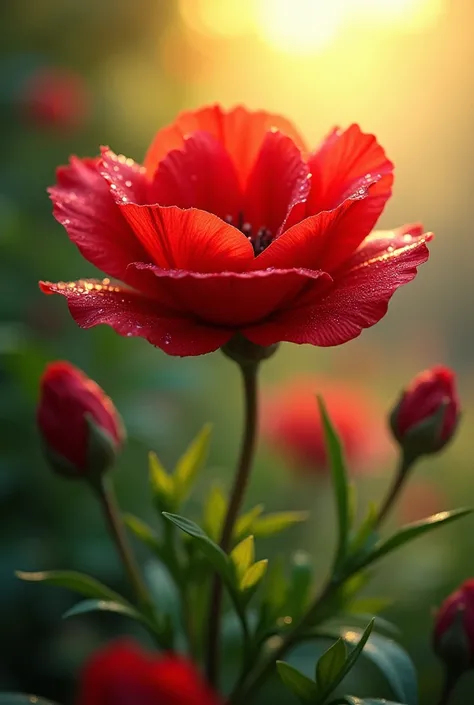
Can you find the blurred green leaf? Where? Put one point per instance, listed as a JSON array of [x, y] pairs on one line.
[[242, 557], [352, 700], [413, 531], [192, 462], [245, 522], [339, 478], [211, 550], [20, 699], [254, 575], [72, 580], [300, 685], [274, 593], [162, 484], [365, 530], [214, 512], [330, 666], [300, 584], [272, 524], [145, 534], [392, 661], [104, 606]]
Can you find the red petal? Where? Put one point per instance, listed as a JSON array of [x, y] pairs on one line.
[[234, 299], [240, 131], [359, 298], [278, 182], [343, 159], [200, 175], [83, 204], [92, 303]]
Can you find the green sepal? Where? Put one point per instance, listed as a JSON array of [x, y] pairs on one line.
[[297, 683]]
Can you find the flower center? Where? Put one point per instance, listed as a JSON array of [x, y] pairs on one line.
[[259, 239]]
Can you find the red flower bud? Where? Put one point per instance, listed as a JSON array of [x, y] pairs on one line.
[[453, 636], [123, 672], [81, 428], [426, 416], [55, 99]]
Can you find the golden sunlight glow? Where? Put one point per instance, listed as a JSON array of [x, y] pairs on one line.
[[228, 18], [402, 14]]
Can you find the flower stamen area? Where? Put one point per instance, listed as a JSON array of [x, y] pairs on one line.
[[259, 241]]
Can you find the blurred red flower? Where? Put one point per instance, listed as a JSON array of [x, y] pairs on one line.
[[55, 98], [67, 398], [232, 226], [415, 421], [291, 424], [123, 674], [453, 636]]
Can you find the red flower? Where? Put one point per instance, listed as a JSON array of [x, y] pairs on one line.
[[231, 226], [291, 423], [53, 98], [68, 399], [123, 674], [453, 636], [427, 414]]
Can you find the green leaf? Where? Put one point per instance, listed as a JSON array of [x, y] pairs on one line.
[[145, 534], [242, 557], [348, 664], [352, 700], [162, 484], [301, 582], [413, 531], [272, 524], [244, 523], [274, 595], [330, 666], [365, 530], [253, 575], [214, 512], [392, 661], [77, 582], [339, 479], [104, 606], [211, 550], [300, 685], [20, 699], [192, 462]]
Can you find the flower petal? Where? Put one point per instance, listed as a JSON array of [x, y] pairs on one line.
[[83, 204], [360, 295], [200, 175], [129, 313], [232, 299], [240, 131], [278, 182]]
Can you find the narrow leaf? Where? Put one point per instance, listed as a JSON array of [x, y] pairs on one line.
[[162, 484], [20, 699], [145, 534], [300, 685], [274, 593], [301, 582], [254, 575], [365, 529], [339, 479], [413, 531], [72, 580], [352, 700], [242, 557], [271, 524], [330, 665], [211, 550], [214, 512], [245, 522], [103, 606], [192, 462]]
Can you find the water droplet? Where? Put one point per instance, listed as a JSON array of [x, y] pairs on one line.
[[129, 335], [128, 183]]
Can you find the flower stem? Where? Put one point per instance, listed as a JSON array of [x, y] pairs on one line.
[[398, 483], [249, 377], [450, 680], [110, 507]]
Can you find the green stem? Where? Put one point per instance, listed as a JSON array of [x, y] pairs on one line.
[[449, 684], [249, 376], [109, 504], [396, 487]]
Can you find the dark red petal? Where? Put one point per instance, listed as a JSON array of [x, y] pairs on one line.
[[342, 160], [233, 299], [200, 175], [240, 131], [322, 241], [278, 182], [92, 303], [359, 298], [83, 204]]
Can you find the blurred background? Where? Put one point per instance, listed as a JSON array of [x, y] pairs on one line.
[[75, 75]]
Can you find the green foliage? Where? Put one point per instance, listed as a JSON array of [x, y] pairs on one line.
[[331, 665], [352, 700], [300, 685], [272, 524], [145, 534], [72, 580], [214, 512], [104, 606], [20, 699]]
